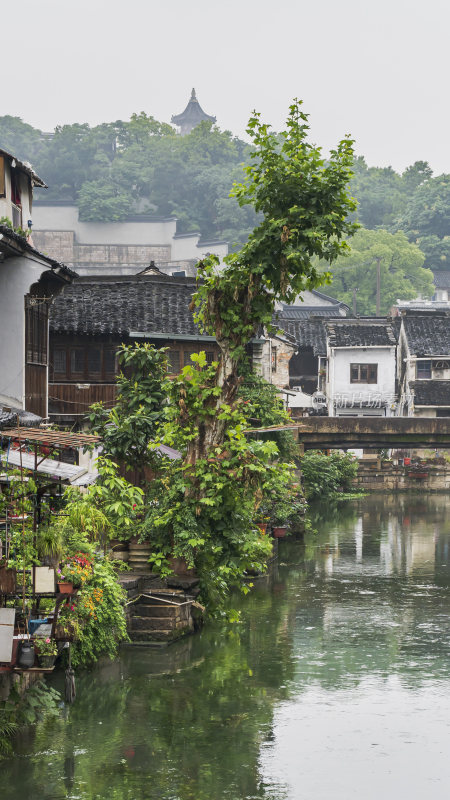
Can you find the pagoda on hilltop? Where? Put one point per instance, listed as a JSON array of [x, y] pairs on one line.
[[192, 115]]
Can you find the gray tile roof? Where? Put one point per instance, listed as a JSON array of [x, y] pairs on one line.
[[26, 418], [428, 334], [431, 393], [442, 279], [119, 305], [360, 333], [305, 312], [306, 332]]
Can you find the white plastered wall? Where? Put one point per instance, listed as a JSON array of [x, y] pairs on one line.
[[65, 218], [339, 361], [17, 274]]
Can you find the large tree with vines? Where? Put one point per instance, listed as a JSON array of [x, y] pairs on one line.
[[207, 507], [304, 206]]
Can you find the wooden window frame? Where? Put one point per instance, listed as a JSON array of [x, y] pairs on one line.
[[429, 371], [69, 376], [366, 368], [36, 331]]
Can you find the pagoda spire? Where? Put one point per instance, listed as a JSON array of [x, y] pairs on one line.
[[192, 115]]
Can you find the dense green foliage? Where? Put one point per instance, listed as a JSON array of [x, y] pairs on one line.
[[401, 271], [128, 427], [207, 514], [118, 168], [22, 709], [140, 166], [324, 475], [100, 611]]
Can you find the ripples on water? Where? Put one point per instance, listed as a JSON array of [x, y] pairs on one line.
[[335, 686]]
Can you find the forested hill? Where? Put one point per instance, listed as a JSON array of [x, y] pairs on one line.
[[143, 166]]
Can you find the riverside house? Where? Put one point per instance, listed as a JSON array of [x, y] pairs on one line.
[[28, 282], [424, 364], [360, 378], [95, 315]]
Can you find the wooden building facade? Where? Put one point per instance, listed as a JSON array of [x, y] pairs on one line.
[[93, 317]]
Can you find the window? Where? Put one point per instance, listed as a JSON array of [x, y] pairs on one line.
[[59, 362], [423, 369], [109, 361], [363, 373], [173, 363], [77, 361], [36, 314], [210, 357], [274, 359], [94, 361], [187, 357]]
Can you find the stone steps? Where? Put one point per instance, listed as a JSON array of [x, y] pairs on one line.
[[152, 623], [158, 614], [141, 610]]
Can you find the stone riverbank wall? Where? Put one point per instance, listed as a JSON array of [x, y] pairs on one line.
[[388, 477]]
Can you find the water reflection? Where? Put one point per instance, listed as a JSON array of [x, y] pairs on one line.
[[337, 678]]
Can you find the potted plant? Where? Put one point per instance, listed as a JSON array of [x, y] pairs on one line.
[[74, 572], [68, 626], [46, 650], [50, 545], [262, 525], [64, 586], [279, 530], [280, 517]]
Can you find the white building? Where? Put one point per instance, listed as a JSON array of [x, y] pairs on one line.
[[28, 282], [361, 367], [424, 364], [118, 248]]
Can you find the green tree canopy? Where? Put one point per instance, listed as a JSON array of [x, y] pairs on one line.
[[141, 165], [401, 269]]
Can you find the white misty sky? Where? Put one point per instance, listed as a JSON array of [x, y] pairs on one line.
[[377, 70]]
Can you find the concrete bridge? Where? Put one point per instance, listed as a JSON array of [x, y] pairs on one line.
[[317, 433]]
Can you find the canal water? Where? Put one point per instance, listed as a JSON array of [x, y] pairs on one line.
[[336, 685]]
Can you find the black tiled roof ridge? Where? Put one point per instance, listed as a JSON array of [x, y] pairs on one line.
[[431, 392], [427, 335], [348, 332]]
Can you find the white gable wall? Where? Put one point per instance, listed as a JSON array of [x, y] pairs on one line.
[[17, 274], [339, 385]]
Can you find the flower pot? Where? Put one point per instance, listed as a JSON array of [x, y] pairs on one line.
[[26, 655], [64, 587], [46, 661], [65, 633], [279, 532], [263, 528]]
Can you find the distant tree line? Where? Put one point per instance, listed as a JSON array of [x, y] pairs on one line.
[[143, 166]]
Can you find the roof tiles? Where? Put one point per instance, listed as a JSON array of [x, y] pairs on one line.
[[428, 334]]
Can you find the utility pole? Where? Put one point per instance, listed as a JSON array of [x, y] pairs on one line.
[[378, 300], [355, 289]]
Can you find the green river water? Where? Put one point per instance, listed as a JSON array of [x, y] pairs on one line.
[[335, 686]]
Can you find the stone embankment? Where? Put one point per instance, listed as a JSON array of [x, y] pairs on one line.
[[158, 613], [376, 476]]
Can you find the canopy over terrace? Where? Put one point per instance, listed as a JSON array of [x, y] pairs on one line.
[[39, 462], [51, 438]]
